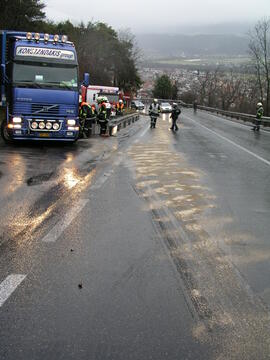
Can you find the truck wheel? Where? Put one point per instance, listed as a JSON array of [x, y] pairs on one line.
[[4, 133]]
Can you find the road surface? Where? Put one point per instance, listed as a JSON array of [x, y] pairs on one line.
[[151, 245]]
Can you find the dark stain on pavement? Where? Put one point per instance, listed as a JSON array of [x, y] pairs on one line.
[[39, 179], [182, 265], [46, 200], [88, 167]]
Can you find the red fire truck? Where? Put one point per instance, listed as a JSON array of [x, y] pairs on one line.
[[92, 92]]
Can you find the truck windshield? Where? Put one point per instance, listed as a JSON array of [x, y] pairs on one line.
[[45, 75]]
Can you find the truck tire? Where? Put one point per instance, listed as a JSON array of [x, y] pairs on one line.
[[4, 133]]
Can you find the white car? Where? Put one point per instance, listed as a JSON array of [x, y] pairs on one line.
[[165, 107]]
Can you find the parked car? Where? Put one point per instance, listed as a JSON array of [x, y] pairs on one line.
[[165, 107], [137, 105]]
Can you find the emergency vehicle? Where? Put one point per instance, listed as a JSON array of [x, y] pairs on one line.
[[92, 92]]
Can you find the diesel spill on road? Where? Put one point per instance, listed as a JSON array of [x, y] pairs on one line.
[[227, 314]]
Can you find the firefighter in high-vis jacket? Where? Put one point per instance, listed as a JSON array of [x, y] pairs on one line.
[[174, 116], [120, 107], [102, 114], [259, 115], [154, 111], [86, 116]]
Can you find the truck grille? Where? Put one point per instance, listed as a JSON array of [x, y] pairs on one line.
[[45, 109]]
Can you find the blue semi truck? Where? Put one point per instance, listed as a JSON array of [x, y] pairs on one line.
[[39, 89]]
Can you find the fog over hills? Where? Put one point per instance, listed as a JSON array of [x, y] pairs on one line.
[[218, 40], [165, 46]]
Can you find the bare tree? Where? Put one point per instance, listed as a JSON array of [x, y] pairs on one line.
[[231, 89], [126, 36], [224, 89], [260, 52], [213, 85], [203, 81], [205, 88]]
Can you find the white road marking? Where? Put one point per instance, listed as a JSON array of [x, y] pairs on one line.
[[9, 285], [60, 227], [231, 142]]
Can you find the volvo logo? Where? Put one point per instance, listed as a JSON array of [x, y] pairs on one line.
[[45, 109]]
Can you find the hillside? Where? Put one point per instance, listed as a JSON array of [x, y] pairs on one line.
[[166, 46]]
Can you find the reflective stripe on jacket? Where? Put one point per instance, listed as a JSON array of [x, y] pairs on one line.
[[259, 113], [86, 110], [102, 112], [120, 106], [154, 110]]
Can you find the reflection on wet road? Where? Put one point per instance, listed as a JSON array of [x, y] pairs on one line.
[[35, 178], [136, 247]]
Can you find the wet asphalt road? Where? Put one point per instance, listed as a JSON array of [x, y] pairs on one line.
[[151, 245]]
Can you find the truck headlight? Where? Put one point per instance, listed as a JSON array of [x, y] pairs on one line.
[[29, 36], [71, 122], [14, 126], [64, 38], [34, 125], [17, 120], [56, 38], [41, 125], [37, 36], [46, 37], [56, 126], [48, 125]]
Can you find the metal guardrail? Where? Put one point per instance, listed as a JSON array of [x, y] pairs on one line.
[[234, 115], [150, 100], [115, 124], [123, 121]]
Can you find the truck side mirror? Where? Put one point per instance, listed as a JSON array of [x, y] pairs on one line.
[[86, 79]]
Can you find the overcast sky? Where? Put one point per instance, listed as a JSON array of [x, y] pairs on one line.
[[155, 16]]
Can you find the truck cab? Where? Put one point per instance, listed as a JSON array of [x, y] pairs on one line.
[[39, 91]]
